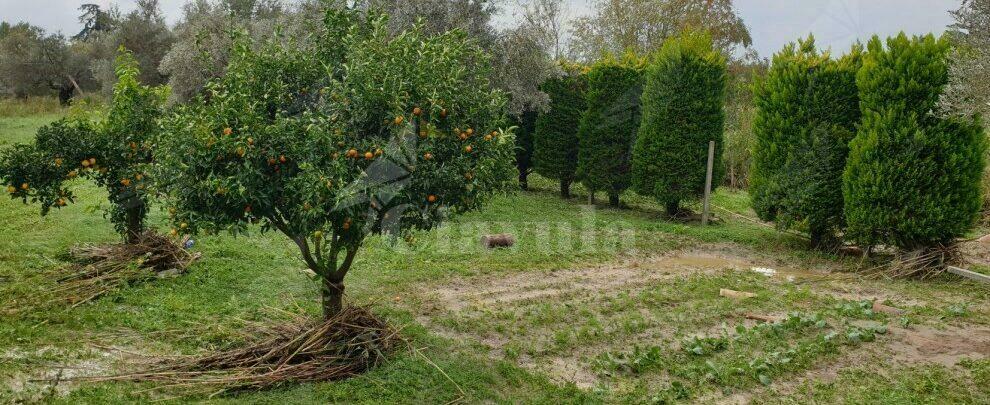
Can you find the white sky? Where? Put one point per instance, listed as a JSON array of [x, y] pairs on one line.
[[772, 23]]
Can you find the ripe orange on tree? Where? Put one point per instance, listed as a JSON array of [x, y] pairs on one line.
[[228, 131]]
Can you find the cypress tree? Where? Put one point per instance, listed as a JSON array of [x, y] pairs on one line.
[[608, 127], [683, 109], [526, 126], [807, 112], [555, 140], [913, 178]]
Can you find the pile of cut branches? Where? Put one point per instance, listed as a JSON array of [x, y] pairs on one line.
[[921, 264], [301, 350], [99, 269]]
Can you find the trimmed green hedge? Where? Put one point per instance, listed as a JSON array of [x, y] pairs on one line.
[[555, 141], [683, 110]]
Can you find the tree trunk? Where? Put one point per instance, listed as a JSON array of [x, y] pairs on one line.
[[333, 298], [591, 197], [613, 200], [135, 221], [673, 208], [523, 180], [565, 189], [65, 94]]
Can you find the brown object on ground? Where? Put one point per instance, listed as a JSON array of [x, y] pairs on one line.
[[984, 240], [724, 292], [302, 350], [878, 307], [920, 264], [498, 241], [101, 269], [764, 318]]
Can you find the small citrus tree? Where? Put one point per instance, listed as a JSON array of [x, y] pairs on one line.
[[683, 109], [370, 134], [112, 149], [555, 142], [608, 127], [912, 179]]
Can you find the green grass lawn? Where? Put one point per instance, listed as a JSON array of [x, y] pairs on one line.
[[592, 305]]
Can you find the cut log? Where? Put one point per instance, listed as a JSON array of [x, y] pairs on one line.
[[764, 318], [724, 292], [501, 240]]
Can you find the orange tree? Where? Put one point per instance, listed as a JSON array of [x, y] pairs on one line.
[[112, 148], [367, 134]]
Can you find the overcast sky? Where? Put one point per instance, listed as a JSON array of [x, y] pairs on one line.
[[773, 23]]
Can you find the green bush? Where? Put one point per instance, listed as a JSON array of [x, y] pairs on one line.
[[374, 133], [683, 110], [555, 142], [913, 178], [807, 112], [525, 125], [608, 127], [112, 148]]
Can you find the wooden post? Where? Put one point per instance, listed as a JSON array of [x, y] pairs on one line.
[[708, 182]]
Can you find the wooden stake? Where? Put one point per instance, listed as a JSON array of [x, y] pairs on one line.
[[708, 182]]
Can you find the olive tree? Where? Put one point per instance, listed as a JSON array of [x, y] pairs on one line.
[[372, 133]]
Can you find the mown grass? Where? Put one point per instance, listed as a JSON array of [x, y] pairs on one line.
[[248, 279]]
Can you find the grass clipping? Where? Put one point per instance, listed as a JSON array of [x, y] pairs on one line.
[[350, 343], [101, 269]]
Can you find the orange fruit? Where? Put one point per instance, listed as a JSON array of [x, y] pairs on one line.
[[138, 176], [58, 161], [464, 136], [250, 141], [173, 232], [488, 137], [368, 155], [431, 198], [281, 158], [398, 120], [85, 163], [470, 131], [240, 152], [60, 202], [417, 111], [126, 182], [469, 175], [92, 161], [183, 225], [228, 131], [72, 174], [132, 145], [271, 161], [428, 156], [352, 153], [468, 149], [11, 189], [24, 186], [443, 113]]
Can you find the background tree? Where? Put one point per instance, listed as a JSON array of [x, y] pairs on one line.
[[555, 140], [643, 25], [683, 109], [372, 133], [608, 127], [145, 34], [33, 62], [913, 178], [95, 20], [740, 110], [113, 151], [525, 125], [807, 112]]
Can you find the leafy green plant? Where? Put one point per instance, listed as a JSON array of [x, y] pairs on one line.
[[608, 127], [913, 178], [111, 148], [371, 134], [683, 109]]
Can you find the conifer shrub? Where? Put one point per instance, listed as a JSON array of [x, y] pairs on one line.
[[912, 179], [807, 112], [683, 110], [525, 124], [608, 127], [555, 140]]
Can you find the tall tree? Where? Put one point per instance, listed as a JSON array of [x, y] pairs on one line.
[[642, 25], [968, 91], [95, 20], [35, 62], [555, 142], [683, 109], [145, 34]]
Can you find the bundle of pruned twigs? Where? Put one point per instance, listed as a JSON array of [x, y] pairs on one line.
[[301, 350], [924, 263], [100, 269]]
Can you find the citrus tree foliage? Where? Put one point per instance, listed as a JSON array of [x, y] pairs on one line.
[[683, 109], [807, 112], [643, 25], [371, 133], [112, 149], [555, 140], [912, 178], [607, 131]]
